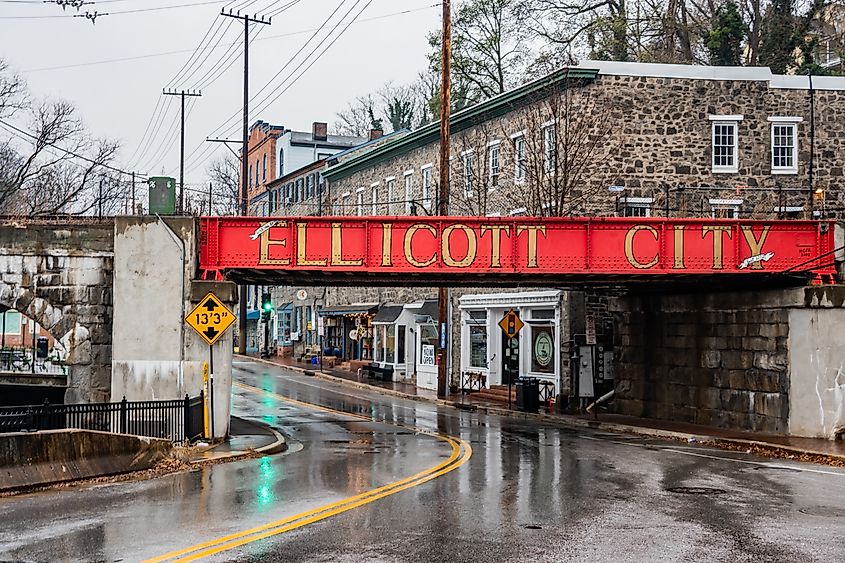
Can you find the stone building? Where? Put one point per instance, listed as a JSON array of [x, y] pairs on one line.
[[606, 139]]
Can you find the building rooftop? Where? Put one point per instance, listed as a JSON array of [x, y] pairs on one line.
[[701, 72], [303, 137]]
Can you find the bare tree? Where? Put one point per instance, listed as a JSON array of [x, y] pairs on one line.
[[224, 174], [359, 117], [400, 105], [58, 167], [563, 167], [12, 91]]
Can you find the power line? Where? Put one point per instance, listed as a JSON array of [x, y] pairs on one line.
[[135, 11], [204, 149], [181, 51], [29, 135], [155, 130]]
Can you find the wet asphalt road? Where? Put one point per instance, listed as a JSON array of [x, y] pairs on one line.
[[528, 493]]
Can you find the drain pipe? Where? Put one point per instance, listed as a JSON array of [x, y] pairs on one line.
[[181, 244], [600, 400]]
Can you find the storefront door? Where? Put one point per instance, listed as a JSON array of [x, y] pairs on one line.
[[510, 359]]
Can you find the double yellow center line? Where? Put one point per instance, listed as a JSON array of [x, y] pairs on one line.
[[461, 452]]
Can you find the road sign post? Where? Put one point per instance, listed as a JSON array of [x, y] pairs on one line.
[[210, 318], [511, 324]]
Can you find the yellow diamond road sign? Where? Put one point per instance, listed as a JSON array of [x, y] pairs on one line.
[[210, 318], [511, 324]]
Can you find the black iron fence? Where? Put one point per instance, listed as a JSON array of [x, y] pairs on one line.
[[177, 420]]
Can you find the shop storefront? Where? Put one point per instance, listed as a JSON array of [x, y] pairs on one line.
[[349, 331], [423, 334], [484, 348], [391, 328], [283, 329]]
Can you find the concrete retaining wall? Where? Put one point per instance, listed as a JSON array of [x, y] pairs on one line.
[[53, 456]]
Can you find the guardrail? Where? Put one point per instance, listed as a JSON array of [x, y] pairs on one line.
[[176, 420]]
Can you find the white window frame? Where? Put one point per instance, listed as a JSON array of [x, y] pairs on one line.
[[374, 189], [549, 149], [427, 184], [390, 182], [720, 121], [637, 203], [518, 212], [717, 204], [519, 169], [785, 121], [494, 156], [359, 202], [344, 203], [409, 190], [467, 158]]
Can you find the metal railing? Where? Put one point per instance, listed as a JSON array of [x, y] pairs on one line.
[[26, 361], [176, 420]]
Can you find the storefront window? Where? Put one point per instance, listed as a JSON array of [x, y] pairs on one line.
[[390, 344], [400, 350], [428, 344], [379, 343], [478, 346], [543, 314], [542, 349]]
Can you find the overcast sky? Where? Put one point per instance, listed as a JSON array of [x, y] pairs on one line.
[[118, 99]]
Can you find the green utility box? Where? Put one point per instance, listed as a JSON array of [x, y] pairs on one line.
[[162, 195]]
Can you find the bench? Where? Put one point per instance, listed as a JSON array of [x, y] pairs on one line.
[[376, 372]]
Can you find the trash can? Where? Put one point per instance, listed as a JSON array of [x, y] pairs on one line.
[[527, 394], [41, 348]]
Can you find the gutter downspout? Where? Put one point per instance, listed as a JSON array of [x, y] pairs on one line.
[[181, 244]]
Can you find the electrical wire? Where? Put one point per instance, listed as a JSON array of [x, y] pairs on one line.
[[155, 130], [122, 12], [29, 136], [204, 149]]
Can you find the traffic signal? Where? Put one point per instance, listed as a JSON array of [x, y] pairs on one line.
[[266, 306]]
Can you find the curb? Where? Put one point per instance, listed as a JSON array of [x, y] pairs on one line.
[[278, 446], [562, 419]]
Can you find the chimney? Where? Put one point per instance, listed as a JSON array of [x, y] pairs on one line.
[[376, 134], [320, 131]]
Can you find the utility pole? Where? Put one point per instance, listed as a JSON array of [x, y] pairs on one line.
[[443, 196], [244, 161], [100, 200], [209, 198], [132, 212], [182, 94]]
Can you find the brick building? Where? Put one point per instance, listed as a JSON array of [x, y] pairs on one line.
[[604, 138]]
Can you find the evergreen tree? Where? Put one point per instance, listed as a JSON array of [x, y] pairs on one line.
[[724, 41], [780, 36]]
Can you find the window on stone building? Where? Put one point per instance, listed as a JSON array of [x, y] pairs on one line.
[[427, 199], [518, 212], [784, 144], [636, 206], [345, 203], [359, 203], [374, 189], [725, 208], [789, 211], [309, 186], [300, 190], [493, 165], [391, 195], [321, 183], [519, 158], [409, 190], [550, 148], [725, 142], [469, 173]]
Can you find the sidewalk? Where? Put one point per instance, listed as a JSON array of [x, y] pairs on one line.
[[732, 439], [245, 437]]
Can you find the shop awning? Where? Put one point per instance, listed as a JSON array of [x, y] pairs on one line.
[[286, 308], [388, 313], [353, 309], [253, 315], [427, 308]]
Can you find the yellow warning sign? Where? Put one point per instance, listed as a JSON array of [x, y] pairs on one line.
[[511, 324], [210, 318]]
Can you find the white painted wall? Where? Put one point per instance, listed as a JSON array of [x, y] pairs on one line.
[[155, 355], [817, 372]]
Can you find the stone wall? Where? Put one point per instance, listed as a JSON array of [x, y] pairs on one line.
[[60, 274], [654, 138], [718, 359]]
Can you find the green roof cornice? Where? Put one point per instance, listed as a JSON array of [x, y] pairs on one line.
[[464, 119]]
